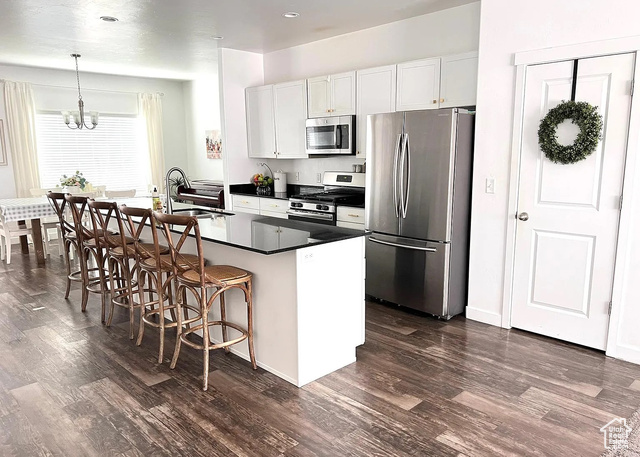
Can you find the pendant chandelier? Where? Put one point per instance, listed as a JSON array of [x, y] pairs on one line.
[[78, 116]]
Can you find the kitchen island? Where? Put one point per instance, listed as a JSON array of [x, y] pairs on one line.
[[308, 290]]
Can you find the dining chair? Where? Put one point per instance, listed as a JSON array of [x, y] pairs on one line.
[[49, 223], [198, 279], [9, 230], [129, 193]]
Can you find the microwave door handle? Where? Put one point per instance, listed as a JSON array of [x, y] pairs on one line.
[[338, 137], [395, 175], [406, 174]]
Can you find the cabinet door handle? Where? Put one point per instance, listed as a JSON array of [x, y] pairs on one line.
[[442, 100], [353, 215], [274, 206], [435, 101]]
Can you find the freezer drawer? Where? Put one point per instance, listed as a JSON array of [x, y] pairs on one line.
[[410, 273]]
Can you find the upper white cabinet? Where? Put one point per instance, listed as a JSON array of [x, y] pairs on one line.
[[333, 95], [261, 136], [458, 81], [376, 94], [418, 85], [276, 116], [290, 106]]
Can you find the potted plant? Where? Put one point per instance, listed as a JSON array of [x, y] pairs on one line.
[[74, 183]]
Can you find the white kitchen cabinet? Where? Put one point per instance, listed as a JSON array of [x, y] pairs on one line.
[[350, 217], [261, 136], [271, 237], [333, 95], [458, 80], [246, 204], [290, 109], [418, 85], [376, 89], [274, 207]]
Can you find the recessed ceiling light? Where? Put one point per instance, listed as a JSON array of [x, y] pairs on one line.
[[291, 14], [109, 18], [217, 37]]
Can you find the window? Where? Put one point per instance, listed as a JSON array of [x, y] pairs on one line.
[[113, 155]]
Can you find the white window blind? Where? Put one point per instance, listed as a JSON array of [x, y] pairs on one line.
[[113, 155]]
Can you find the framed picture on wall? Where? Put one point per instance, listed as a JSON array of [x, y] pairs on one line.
[[214, 144], [3, 148]]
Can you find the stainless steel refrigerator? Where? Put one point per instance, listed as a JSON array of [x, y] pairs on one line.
[[418, 197]]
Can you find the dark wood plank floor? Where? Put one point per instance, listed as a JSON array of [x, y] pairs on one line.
[[70, 386]]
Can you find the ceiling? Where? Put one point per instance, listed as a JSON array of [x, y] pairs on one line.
[[173, 38]]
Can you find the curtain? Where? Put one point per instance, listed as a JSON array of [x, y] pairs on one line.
[[150, 108], [21, 127]]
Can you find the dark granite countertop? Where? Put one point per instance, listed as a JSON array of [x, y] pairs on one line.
[[292, 189], [261, 234]]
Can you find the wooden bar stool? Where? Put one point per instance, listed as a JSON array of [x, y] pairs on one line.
[[155, 275], [198, 279], [89, 248], [119, 257], [69, 239]]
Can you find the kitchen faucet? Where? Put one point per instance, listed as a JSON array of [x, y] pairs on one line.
[[168, 186]]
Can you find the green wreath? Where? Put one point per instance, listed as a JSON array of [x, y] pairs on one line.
[[582, 114]]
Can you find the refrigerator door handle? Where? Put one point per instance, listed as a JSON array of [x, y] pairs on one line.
[[415, 248], [407, 153], [395, 175], [401, 173]]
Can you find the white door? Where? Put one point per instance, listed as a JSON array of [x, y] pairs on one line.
[[290, 106], [319, 92], [459, 80], [418, 85], [343, 94], [565, 251], [376, 94], [260, 122]]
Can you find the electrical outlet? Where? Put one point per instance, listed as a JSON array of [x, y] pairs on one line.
[[318, 177], [490, 186], [297, 176]]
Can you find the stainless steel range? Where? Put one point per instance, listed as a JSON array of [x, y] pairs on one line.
[[340, 188]]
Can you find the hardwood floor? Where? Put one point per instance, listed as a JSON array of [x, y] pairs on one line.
[[70, 386]]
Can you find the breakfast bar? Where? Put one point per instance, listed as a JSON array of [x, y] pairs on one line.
[[308, 290]]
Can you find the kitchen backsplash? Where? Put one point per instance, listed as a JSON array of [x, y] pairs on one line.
[[308, 169]]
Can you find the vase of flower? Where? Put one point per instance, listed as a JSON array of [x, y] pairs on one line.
[[74, 183]]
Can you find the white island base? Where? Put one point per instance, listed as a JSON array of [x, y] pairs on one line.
[[308, 303]]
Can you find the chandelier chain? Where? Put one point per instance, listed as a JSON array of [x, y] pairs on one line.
[[78, 77]]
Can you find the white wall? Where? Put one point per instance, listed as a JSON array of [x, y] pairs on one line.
[[202, 110], [105, 89], [508, 27], [451, 31], [237, 70]]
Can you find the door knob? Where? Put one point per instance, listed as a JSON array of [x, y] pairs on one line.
[[523, 216]]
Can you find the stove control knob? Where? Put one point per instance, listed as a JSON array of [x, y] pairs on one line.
[[325, 207], [296, 205], [319, 207]]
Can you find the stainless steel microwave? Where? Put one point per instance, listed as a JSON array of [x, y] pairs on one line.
[[331, 135]]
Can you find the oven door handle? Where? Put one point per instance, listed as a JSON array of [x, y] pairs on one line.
[[326, 217]]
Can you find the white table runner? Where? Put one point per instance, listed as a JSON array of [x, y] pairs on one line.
[[17, 209]]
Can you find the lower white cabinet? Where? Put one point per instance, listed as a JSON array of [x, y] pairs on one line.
[[246, 204], [350, 217], [272, 237], [265, 206]]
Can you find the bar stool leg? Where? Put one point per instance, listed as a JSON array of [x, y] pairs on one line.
[[160, 294], [83, 255], [180, 293], [223, 318], [143, 276], [67, 260], [249, 299], [112, 288], [128, 279], [205, 338]]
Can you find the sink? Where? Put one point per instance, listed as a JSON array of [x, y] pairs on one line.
[[199, 213]]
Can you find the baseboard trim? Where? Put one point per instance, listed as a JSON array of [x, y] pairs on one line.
[[483, 316], [626, 353]]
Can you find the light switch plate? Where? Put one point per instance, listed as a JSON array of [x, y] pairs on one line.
[[490, 186], [318, 177], [297, 176]]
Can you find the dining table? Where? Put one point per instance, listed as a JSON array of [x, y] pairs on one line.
[[21, 210]]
